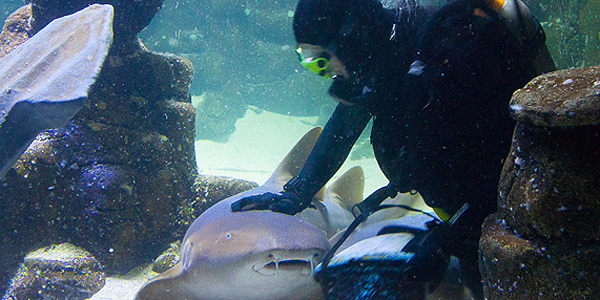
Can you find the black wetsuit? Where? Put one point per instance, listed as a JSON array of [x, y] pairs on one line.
[[441, 128], [443, 132]]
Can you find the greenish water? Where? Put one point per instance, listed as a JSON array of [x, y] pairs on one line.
[[244, 58], [242, 51], [572, 30], [8, 6]]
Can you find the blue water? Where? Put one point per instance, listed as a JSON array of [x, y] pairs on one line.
[[243, 53], [8, 6], [244, 60]]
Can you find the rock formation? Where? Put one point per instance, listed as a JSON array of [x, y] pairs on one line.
[[57, 272], [46, 81], [544, 241], [119, 180]]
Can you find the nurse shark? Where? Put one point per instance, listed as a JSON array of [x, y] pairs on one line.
[[259, 254]]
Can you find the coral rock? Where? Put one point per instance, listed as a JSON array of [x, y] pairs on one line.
[[57, 272], [517, 268], [544, 240], [46, 80]]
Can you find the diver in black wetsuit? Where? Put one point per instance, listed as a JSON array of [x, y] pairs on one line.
[[437, 81]]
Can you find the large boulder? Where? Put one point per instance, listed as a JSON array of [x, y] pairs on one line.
[[57, 272], [116, 178], [46, 81], [544, 239], [120, 178]]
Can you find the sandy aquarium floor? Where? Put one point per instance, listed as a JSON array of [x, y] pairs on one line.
[[259, 143]]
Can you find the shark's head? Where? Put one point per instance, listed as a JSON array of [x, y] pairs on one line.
[[248, 255], [254, 255]]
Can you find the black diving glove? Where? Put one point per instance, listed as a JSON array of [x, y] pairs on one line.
[[292, 200], [284, 202]]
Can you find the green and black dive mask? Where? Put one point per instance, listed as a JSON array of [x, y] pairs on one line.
[[321, 61], [346, 88]]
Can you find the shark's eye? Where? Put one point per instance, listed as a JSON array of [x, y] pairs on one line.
[[227, 236]]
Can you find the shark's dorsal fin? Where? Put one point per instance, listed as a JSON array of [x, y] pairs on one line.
[[348, 190], [291, 165]]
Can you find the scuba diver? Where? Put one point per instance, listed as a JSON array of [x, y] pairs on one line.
[[437, 81]]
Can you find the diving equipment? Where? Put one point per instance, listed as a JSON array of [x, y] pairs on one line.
[[321, 61]]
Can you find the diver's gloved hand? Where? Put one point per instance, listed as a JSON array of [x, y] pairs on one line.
[[284, 202]]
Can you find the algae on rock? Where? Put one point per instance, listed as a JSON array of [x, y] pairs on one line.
[[544, 241]]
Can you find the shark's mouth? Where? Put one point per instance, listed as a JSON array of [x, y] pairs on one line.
[[302, 266]]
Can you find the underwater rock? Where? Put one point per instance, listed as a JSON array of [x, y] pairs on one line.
[[212, 189], [16, 29], [57, 272], [167, 259], [117, 179], [46, 80], [518, 268], [131, 16], [216, 115], [569, 97], [544, 239], [550, 185]]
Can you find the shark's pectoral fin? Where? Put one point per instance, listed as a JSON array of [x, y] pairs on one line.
[[170, 285]]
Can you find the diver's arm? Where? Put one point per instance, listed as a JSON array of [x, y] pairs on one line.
[[331, 150], [329, 153]]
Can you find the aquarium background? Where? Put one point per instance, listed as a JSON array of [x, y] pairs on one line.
[[254, 100], [243, 54], [8, 6]]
